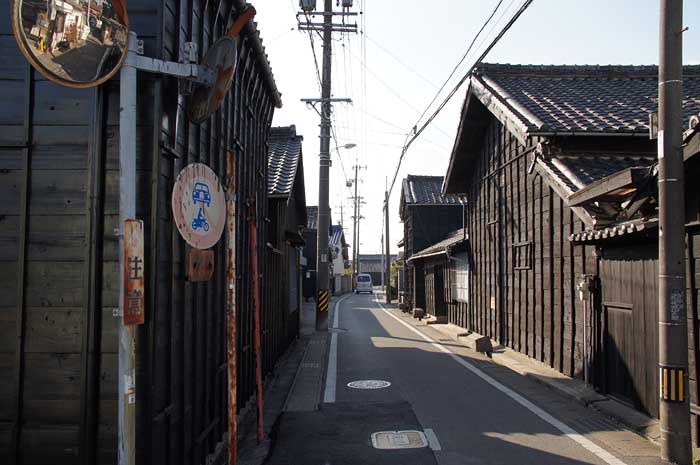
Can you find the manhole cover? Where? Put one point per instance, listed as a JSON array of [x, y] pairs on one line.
[[399, 440], [369, 384]]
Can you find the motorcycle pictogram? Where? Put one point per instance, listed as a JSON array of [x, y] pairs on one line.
[[200, 221]]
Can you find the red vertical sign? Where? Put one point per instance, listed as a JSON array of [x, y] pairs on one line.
[[134, 313]]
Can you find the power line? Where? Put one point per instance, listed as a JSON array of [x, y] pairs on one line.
[[454, 70], [388, 52], [493, 43]]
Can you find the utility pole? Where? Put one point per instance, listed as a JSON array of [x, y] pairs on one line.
[[355, 243], [359, 219], [322, 252], [355, 225], [674, 407], [387, 258]]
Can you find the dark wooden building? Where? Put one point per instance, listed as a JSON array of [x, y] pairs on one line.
[[59, 176], [560, 242], [287, 207], [341, 278], [427, 217], [373, 265], [310, 251]]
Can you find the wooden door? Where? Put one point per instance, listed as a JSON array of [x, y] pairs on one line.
[[439, 286], [627, 316], [618, 351]]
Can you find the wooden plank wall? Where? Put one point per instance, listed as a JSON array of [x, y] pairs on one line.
[[58, 248], [534, 311], [629, 317], [693, 296], [425, 225]]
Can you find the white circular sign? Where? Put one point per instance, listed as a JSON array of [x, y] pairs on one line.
[[369, 384], [199, 206]]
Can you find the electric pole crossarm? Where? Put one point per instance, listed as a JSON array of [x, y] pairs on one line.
[[321, 28]]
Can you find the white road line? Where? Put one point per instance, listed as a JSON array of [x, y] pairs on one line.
[[432, 439], [332, 367], [568, 431]]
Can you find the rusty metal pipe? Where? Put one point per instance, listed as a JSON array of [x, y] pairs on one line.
[[231, 301], [256, 318]]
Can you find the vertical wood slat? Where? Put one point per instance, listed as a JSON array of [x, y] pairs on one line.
[[92, 287], [21, 264]]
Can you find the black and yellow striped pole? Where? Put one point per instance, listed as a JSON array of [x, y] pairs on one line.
[[672, 386], [322, 300]]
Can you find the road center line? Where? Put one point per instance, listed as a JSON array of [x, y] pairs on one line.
[[332, 367], [568, 431]]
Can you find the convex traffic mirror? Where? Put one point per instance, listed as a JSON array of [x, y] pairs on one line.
[[76, 43]]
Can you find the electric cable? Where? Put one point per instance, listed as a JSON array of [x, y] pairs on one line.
[[417, 132]]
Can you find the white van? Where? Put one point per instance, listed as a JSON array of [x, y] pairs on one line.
[[364, 283]]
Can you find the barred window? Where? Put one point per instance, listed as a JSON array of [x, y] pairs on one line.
[[460, 277], [522, 255]]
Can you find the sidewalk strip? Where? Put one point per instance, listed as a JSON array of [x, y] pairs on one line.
[[568, 431], [432, 439], [332, 368]]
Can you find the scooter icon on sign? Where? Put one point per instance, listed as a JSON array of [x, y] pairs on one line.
[[200, 222]]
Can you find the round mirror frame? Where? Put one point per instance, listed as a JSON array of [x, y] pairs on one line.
[[21, 39]]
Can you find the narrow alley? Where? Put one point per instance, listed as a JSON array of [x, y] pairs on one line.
[[470, 409]]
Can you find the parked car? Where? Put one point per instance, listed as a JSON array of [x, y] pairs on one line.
[[364, 284]]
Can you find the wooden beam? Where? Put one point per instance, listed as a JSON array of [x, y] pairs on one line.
[[599, 190], [692, 147]]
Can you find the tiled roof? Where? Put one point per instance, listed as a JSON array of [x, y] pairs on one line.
[[284, 156], [575, 171], [337, 236], [455, 237], [588, 99], [425, 190]]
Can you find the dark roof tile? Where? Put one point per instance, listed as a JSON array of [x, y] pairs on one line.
[[590, 99], [425, 190], [284, 156]]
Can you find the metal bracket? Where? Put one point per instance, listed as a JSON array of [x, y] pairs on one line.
[[189, 55], [189, 71]]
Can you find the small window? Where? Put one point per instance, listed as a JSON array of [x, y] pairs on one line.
[[460, 277], [522, 255], [363, 278]]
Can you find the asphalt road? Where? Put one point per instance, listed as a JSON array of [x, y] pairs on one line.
[[472, 410], [479, 412]]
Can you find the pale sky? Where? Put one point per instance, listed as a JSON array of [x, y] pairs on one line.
[[411, 48]]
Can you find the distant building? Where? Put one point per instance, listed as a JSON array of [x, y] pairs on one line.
[[427, 216], [373, 264], [341, 277]]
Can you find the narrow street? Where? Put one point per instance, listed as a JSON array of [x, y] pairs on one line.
[[472, 410]]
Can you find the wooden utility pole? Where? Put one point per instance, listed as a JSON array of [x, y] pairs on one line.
[[674, 407], [323, 221], [387, 256], [355, 220]]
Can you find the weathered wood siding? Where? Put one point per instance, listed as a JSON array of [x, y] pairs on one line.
[[58, 279], [281, 322], [436, 281], [425, 225], [522, 287]]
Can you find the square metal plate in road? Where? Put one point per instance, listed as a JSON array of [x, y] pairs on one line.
[[399, 440]]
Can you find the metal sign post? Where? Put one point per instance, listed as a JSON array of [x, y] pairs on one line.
[[127, 211]]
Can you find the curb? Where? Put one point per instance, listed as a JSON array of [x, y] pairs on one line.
[[571, 388]]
